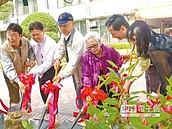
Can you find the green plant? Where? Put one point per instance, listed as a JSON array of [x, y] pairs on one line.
[[47, 20], [53, 35], [123, 112], [5, 10], [27, 125], [125, 45]]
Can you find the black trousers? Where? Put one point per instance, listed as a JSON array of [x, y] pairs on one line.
[[48, 75]]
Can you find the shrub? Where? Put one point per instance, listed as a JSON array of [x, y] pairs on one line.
[[120, 45], [47, 20], [53, 35]]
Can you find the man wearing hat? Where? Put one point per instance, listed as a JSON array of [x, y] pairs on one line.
[[71, 45]]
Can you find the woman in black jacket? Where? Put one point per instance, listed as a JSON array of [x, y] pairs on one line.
[[153, 46]]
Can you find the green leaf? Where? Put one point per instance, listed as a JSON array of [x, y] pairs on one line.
[[101, 115], [168, 88], [169, 102], [137, 123], [155, 120], [113, 64], [108, 81], [131, 98], [170, 80], [111, 119], [101, 78], [113, 72], [89, 124], [111, 101], [115, 79], [122, 70], [130, 67], [101, 125], [128, 78], [136, 92], [25, 124], [169, 93], [114, 111], [162, 99], [93, 110]]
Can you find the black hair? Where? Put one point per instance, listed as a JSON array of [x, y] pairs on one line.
[[142, 32], [15, 27], [116, 21], [36, 25]]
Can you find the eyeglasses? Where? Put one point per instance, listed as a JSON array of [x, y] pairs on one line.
[[92, 47], [13, 36]]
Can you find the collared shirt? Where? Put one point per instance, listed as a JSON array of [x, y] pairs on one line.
[[75, 48], [67, 36], [47, 49]]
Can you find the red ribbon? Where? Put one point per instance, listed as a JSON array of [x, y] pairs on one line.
[[4, 106], [28, 81], [52, 89]]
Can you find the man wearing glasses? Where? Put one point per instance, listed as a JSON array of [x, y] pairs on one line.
[[44, 49], [14, 55], [71, 45]]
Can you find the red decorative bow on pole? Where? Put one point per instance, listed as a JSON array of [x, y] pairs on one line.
[[28, 81], [53, 91]]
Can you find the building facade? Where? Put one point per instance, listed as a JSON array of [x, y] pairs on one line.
[[92, 14]]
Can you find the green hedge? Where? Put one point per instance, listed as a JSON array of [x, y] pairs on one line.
[[125, 45], [53, 35]]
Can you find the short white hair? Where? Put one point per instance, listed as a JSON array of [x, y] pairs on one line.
[[93, 34]]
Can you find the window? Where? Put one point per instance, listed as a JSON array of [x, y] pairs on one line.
[[81, 26]]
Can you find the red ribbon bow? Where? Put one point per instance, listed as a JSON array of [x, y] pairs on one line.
[[52, 89], [28, 81]]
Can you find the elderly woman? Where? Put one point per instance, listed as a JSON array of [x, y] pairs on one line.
[[154, 49], [94, 60]]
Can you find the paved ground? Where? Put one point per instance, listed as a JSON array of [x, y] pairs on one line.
[[66, 98], [67, 95]]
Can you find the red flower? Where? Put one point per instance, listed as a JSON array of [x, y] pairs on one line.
[[125, 75], [168, 97], [167, 109], [99, 94], [115, 87]]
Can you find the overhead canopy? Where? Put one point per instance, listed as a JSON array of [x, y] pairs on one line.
[[155, 15]]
